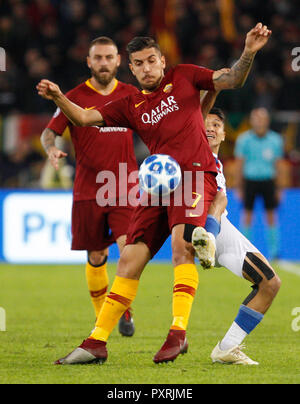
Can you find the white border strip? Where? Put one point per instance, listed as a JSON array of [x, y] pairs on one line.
[[288, 266]]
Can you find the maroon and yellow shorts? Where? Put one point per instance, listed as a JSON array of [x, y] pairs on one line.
[[95, 228], [153, 224]]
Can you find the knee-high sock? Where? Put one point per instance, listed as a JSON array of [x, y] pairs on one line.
[[246, 321], [119, 299], [185, 286], [97, 281]]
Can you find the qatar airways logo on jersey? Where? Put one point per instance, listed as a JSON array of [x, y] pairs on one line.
[[109, 129], [163, 109]]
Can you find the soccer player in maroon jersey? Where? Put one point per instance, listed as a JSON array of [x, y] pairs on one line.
[[97, 149], [166, 115]]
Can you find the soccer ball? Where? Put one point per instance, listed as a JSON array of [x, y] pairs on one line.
[[159, 174]]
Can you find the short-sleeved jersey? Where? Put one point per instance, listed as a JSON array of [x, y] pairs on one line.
[[96, 149], [221, 181], [259, 154], [169, 120]]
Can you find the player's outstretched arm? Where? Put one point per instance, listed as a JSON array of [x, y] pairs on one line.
[[256, 39], [207, 101], [77, 115]]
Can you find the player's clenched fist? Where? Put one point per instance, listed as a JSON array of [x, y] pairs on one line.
[[55, 155], [257, 38], [48, 90]]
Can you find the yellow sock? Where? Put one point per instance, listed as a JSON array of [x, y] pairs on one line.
[[97, 281], [186, 281], [122, 294]]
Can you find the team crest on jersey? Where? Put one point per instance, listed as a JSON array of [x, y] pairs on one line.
[[168, 88], [164, 108]]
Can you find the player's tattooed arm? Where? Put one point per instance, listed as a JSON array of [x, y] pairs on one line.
[[208, 98], [48, 142], [48, 139], [237, 75], [77, 115]]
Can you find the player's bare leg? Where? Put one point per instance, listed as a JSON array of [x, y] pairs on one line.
[[97, 257], [130, 267], [185, 286], [133, 260], [266, 285], [265, 282]]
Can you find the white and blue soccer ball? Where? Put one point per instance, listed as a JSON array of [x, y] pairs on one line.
[[159, 174]]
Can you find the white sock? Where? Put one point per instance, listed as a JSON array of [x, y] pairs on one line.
[[234, 336]]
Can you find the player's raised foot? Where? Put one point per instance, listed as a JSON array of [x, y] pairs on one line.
[[175, 344], [205, 246], [90, 351], [234, 356], [126, 324]]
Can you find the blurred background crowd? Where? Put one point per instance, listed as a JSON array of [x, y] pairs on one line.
[[50, 39]]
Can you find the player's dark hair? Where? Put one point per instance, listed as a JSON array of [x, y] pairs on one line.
[[141, 42], [220, 114], [103, 40]]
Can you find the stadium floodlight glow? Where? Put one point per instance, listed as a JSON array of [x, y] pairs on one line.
[[2, 60]]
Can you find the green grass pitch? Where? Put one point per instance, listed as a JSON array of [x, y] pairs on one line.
[[49, 313]]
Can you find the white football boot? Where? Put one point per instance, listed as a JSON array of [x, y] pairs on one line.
[[233, 356], [204, 244]]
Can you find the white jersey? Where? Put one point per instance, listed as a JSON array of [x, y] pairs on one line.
[[221, 182], [220, 178], [231, 245]]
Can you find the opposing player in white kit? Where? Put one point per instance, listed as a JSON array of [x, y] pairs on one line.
[[236, 253]]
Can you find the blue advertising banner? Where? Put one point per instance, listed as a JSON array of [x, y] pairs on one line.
[[35, 227]]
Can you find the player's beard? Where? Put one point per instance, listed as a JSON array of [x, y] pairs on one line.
[[104, 80]]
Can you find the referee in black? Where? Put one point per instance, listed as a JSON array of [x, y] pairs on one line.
[[258, 152]]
